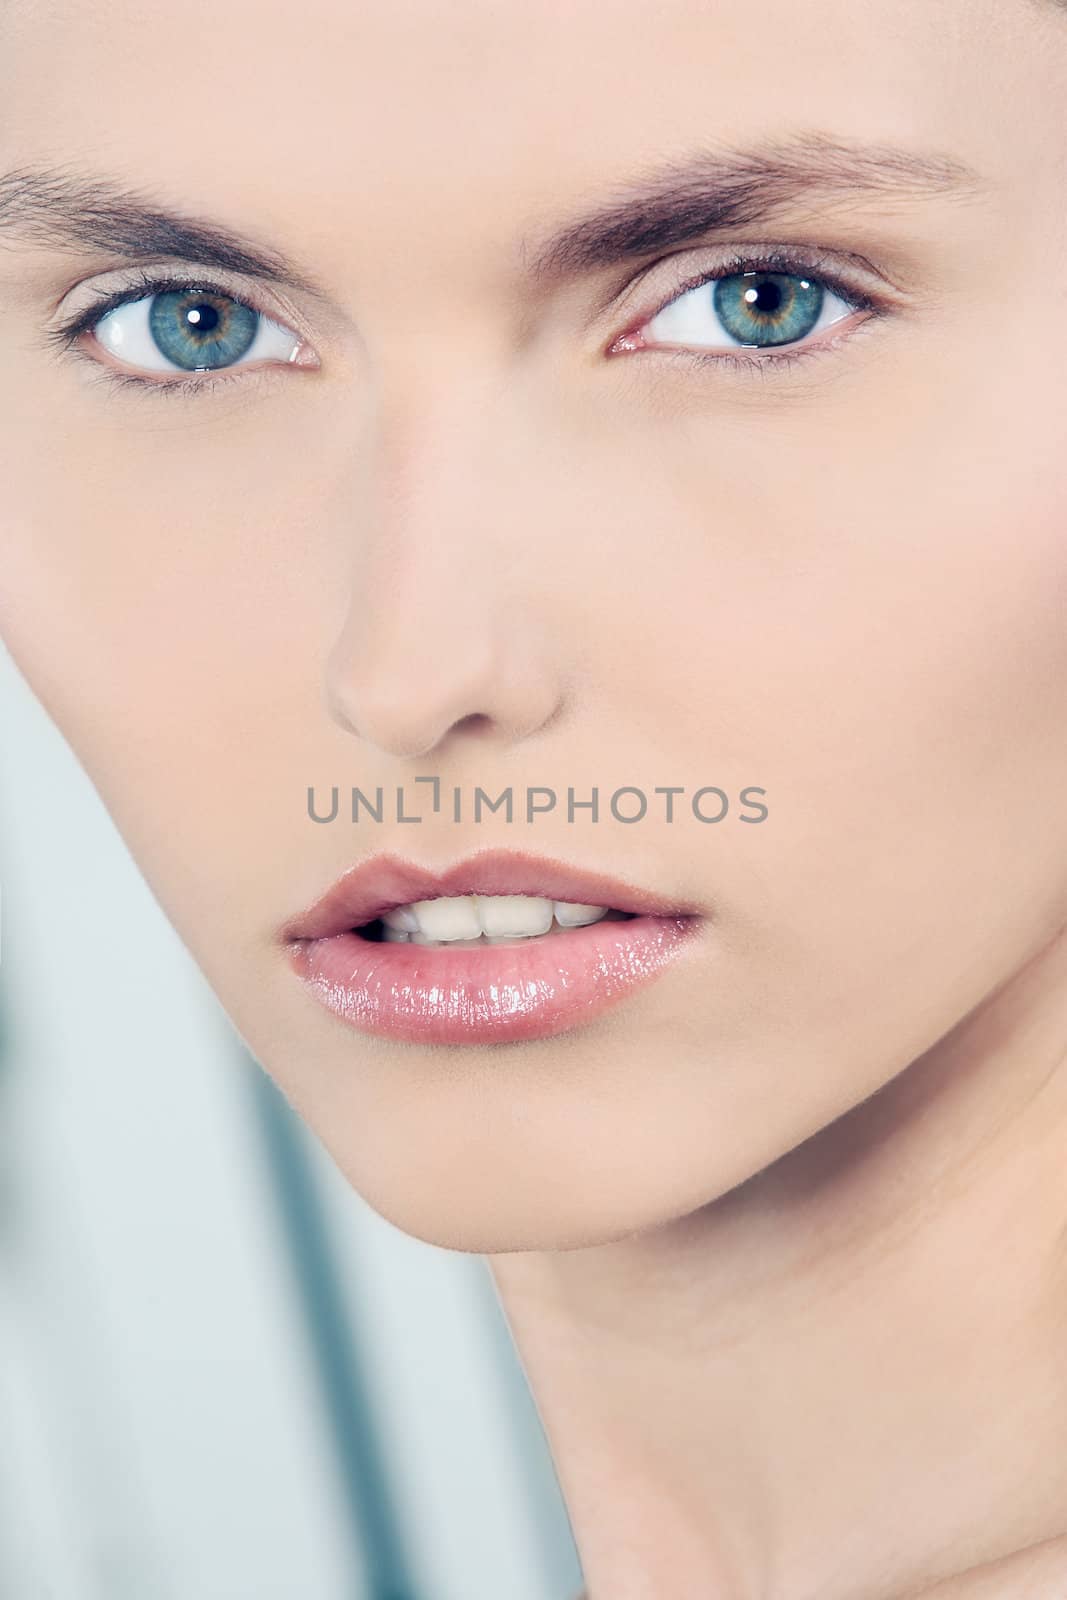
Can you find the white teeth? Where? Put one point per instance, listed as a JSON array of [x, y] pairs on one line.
[[447, 918], [456, 919], [514, 916], [403, 919], [569, 915]]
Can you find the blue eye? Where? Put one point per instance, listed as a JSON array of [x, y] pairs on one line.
[[753, 310], [192, 330]]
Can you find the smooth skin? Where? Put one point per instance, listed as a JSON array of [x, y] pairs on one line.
[[782, 1239]]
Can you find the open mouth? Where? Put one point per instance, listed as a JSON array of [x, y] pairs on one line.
[[464, 922]]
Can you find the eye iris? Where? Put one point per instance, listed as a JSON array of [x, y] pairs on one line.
[[196, 328], [765, 308]]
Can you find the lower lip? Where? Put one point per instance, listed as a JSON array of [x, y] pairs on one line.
[[488, 994]]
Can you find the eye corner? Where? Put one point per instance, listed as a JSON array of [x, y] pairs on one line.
[[632, 339], [305, 357]]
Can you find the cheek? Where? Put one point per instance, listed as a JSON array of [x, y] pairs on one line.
[[892, 667], [176, 641], [855, 610]]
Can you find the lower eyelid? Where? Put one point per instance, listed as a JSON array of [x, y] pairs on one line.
[[769, 358], [776, 365], [106, 371]]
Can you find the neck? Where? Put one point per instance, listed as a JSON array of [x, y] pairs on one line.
[[844, 1378]]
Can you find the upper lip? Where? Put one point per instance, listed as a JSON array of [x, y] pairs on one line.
[[384, 882]]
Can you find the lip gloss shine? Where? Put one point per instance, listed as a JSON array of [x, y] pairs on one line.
[[480, 994]]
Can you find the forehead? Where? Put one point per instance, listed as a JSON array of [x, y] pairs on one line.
[[293, 113]]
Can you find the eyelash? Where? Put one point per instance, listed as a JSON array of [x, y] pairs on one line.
[[783, 261], [67, 335]]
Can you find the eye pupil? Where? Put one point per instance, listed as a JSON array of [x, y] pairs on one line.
[[204, 318], [766, 297]]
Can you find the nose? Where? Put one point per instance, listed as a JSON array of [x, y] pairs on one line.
[[422, 672], [442, 635]]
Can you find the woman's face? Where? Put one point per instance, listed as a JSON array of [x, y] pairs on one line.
[[471, 530]]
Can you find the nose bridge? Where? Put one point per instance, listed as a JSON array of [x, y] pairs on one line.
[[444, 358], [435, 631], [438, 533]]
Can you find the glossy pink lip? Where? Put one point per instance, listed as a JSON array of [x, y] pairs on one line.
[[485, 994]]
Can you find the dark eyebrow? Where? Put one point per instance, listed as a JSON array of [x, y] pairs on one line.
[[69, 211], [721, 190], [711, 192]]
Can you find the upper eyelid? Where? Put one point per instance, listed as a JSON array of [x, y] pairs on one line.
[[843, 291], [151, 280]]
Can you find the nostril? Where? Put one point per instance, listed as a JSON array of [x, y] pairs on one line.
[[474, 723]]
